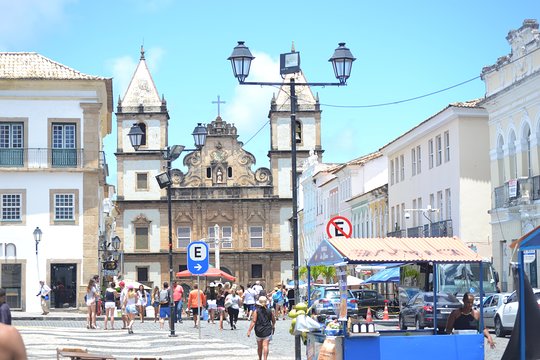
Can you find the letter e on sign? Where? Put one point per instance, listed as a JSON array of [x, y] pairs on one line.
[[339, 226]]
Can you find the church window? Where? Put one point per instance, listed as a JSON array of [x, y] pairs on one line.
[[141, 238], [143, 129], [298, 131], [229, 172], [208, 173], [142, 274], [142, 181], [256, 271], [256, 236], [184, 236]]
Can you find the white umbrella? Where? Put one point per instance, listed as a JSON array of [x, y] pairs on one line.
[[135, 284]]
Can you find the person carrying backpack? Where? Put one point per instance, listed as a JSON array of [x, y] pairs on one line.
[[264, 323], [164, 301]]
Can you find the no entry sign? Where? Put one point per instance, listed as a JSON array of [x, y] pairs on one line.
[[339, 226]]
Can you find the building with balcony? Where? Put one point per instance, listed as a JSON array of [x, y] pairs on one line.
[[53, 120], [439, 179], [513, 103]]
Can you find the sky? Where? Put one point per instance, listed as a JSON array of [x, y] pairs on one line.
[[404, 50]]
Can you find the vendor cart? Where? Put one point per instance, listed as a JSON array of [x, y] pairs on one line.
[[396, 344]]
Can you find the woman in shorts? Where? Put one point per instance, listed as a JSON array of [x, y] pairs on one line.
[[220, 303], [110, 306], [141, 301], [211, 300], [90, 297], [155, 303], [264, 322], [130, 307]]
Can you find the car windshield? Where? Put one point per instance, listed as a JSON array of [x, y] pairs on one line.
[[332, 294]]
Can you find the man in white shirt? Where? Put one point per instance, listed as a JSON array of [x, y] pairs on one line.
[[249, 301], [44, 296], [258, 288]]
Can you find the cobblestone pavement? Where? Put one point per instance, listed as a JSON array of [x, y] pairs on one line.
[[42, 337]]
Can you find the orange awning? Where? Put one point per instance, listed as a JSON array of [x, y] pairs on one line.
[[373, 250]]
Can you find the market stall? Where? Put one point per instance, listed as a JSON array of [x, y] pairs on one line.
[[395, 344]]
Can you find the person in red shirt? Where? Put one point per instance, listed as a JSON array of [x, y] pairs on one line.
[[178, 295], [196, 301]]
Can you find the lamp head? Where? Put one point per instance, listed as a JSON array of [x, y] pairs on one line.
[[115, 241], [163, 180], [342, 62], [135, 136], [241, 61], [199, 135], [37, 234]]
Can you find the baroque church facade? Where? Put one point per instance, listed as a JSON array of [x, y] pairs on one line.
[[218, 186]]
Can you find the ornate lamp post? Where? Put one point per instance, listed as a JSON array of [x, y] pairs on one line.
[[170, 154], [341, 60], [37, 237]]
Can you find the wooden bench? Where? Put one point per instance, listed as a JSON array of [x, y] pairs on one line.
[[81, 354]]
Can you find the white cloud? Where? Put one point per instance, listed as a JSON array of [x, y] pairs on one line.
[[27, 19]]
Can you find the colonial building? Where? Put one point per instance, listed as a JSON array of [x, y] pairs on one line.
[[52, 175], [438, 178], [513, 103], [252, 207]]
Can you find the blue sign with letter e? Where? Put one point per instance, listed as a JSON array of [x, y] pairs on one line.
[[197, 257]]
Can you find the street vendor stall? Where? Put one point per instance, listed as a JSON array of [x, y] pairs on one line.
[[395, 344]]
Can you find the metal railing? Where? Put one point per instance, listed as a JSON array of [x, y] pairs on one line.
[[41, 158], [435, 229]]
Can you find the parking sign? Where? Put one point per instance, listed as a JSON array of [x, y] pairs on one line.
[[197, 257]]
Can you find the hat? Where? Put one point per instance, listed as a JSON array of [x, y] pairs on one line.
[[130, 286], [122, 283], [212, 284], [262, 301], [276, 289]]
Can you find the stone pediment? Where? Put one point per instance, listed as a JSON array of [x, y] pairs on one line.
[[222, 162]]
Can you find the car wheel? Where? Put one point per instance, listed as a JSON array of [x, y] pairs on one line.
[[417, 324], [499, 330], [402, 323], [379, 314]]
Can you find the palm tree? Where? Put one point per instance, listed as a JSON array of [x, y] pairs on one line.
[[329, 274]]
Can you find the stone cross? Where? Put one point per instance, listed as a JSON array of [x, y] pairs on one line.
[[218, 102]]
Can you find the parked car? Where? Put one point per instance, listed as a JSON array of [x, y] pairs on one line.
[[505, 317], [325, 300], [418, 312], [372, 299], [491, 305]]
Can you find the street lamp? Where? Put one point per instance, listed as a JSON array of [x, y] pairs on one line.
[[169, 154], [341, 60], [37, 237]]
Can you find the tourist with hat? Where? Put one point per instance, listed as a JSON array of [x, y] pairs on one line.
[[278, 300], [264, 322]]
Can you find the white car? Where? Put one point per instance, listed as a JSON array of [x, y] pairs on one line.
[[505, 317], [492, 303]]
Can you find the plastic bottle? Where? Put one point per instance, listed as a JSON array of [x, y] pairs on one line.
[[363, 328]]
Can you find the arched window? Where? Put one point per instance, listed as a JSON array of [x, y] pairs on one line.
[[142, 126], [512, 155], [11, 250], [298, 132], [229, 172], [527, 170], [500, 159]]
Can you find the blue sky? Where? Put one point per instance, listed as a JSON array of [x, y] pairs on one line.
[[404, 49]]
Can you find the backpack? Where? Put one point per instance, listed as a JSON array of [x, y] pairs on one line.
[[164, 297]]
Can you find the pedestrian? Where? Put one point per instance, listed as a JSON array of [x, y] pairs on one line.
[[91, 298], [220, 303], [141, 301], [233, 301], [196, 301], [264, 323], [130, 306], [278, 301], [123, 294], [5, 312], [98, 299], [466, 318], [257, 287], [155, 302], [290, 298], [11, 343], [44, 291], [211, 297], [178, 295], [249, 301], [110, 304], [164, 304]]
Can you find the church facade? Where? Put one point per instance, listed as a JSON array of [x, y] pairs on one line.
[[217, 186]]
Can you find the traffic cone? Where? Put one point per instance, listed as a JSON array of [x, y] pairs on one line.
[[368, 315], [385, 312]]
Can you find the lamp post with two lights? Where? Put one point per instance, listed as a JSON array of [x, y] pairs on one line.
[[341, 60], [169, 154]]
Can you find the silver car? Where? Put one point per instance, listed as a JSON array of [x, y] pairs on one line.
[[491, 305]]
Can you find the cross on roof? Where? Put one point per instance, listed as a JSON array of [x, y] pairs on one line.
[[218, 102]]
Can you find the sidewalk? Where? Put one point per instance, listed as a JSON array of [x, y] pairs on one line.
[[53, 315]]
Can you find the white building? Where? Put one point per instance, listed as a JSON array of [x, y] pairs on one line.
[[52, 175], [442, 164], [513, 103]]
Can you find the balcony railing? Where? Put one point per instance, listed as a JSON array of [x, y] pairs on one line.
[[41, 158], [436, 229], [528, 190]]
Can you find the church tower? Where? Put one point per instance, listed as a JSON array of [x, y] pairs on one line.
[[308, 132]]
